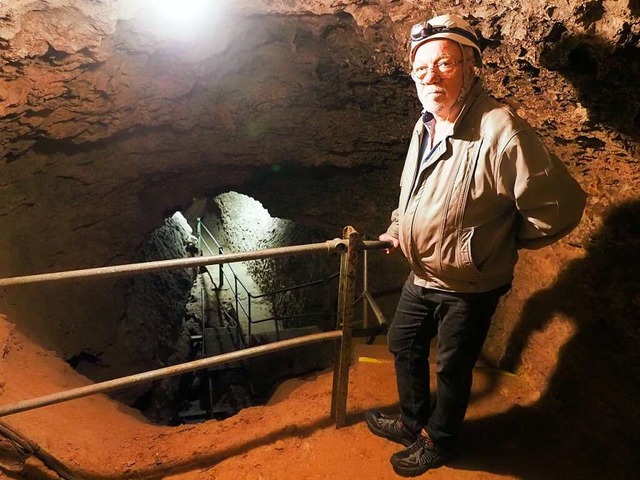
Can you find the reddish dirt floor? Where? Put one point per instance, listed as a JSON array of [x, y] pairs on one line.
[[290, 438]]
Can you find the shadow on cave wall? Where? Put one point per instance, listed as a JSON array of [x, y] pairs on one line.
[[585, 424], [605, 75]]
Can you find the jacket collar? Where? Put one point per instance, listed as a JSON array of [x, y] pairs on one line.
[[477, 90]]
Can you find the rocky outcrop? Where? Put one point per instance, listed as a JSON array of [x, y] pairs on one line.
[[110, 123]]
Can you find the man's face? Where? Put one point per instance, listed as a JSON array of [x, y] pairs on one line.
[[438, 75]]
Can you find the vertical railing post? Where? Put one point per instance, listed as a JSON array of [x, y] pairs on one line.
[[203, 313], [199, 232], [220, 272], [346, 298], [365, 287], [202, 287], [249, 317], [236, 293]]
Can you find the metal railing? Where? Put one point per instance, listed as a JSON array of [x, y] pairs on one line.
[[349, 248], [222, 276], [235, 283], [368, 303]]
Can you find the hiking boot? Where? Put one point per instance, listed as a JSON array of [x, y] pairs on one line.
[[419, 457], [389, 427]]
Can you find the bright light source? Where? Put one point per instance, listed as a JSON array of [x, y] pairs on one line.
[[180, 19], [182, 11]]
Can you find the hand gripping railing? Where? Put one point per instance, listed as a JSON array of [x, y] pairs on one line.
[[349, 247]]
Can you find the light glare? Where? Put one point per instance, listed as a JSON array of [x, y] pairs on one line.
[[182, 11], [183, 20]]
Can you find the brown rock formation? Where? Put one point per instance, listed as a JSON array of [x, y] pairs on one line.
[[110, 123]]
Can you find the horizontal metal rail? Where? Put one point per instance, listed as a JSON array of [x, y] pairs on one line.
[[288, 289], [290, 317], [123, 382], [297, 287], [374, 245], [330, 246]]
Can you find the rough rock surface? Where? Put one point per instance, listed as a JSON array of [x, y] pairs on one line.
[[108, 126]]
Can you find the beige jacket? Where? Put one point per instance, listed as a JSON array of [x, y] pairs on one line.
[[489, 188]]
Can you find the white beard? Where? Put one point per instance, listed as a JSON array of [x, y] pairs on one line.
[[436, 104]]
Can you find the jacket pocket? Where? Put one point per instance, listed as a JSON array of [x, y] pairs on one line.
[[465, 251]]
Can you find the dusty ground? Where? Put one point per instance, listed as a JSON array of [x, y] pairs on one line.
[[290, 438]]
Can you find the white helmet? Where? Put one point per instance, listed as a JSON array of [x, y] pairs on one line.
[[452, 27]]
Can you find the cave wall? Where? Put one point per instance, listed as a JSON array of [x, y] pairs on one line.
[[109, 126], [150, 329], [241, 224]]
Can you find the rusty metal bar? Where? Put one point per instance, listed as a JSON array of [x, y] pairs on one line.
[[119, 383], [374, 245], [203, 319], [365, 286], [329, 246], [288, 289], [382, 320], [351, 244], [347, 290]]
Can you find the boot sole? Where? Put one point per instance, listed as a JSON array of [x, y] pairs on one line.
[[415, 471]]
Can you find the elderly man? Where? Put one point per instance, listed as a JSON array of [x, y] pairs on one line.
[[477, 185]]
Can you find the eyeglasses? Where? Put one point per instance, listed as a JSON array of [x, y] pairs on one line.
[[443, 68]]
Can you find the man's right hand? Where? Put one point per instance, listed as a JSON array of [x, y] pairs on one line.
[[385, 237]]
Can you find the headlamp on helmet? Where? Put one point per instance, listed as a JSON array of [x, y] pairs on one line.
[[450, 27]]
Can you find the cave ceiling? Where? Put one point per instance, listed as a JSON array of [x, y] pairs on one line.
[[111, 121]]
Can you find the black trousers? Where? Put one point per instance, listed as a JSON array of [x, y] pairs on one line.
[[461, 322]]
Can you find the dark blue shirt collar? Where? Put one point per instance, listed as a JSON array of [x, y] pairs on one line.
[[426, 117]]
